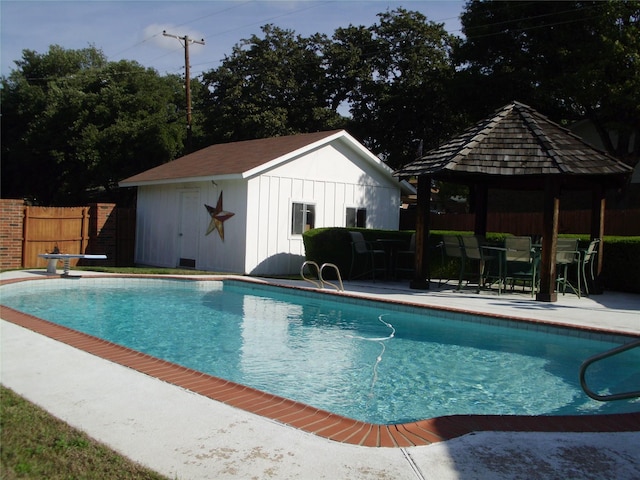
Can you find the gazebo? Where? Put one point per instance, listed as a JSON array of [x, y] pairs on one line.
[[516, 148]]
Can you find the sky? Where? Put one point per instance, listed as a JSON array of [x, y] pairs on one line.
[[132, 30]]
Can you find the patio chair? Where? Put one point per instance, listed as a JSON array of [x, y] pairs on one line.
[[474, 253], [405, 258], [587, 261], [567, 255], [520, 262], [452, 249], [365, 258]]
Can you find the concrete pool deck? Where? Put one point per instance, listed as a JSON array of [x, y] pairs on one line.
[[185, 435]]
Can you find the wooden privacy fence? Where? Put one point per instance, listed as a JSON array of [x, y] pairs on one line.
[[616, 222], [99, 228], [46, 228]]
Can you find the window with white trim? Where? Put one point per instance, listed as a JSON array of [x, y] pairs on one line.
[[356, 217], [303, 217]]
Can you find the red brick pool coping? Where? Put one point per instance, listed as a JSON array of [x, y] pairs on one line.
[[313, 420]]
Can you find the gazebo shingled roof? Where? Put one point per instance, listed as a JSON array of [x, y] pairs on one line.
[[516, 141], [516, 148]]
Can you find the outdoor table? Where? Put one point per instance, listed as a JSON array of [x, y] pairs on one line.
[[391, 247], [500, 255]]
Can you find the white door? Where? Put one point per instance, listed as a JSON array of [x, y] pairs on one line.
[[189, 232]]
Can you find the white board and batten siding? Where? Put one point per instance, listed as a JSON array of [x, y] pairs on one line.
[[162, 213], [331, 179]]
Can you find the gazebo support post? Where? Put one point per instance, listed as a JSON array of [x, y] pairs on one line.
[[598, 204], [551, 214], [481, 191], [421, 274]]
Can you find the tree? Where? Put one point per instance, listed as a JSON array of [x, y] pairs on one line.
[[572, 60], [275, 85], [397, 76], [74, 123]]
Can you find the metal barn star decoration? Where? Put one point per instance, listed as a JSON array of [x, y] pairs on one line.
[[218, 217]]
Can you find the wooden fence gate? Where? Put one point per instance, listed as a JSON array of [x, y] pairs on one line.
[[48, 227]]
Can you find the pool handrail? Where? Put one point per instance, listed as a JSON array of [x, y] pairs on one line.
[[602, 356], [335, 267], [320, 283], [316, 283]]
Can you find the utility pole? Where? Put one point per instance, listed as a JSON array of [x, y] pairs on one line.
[[185, 41]]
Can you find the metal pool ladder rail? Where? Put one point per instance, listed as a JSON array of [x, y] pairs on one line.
[[320, 283], [601, 356]]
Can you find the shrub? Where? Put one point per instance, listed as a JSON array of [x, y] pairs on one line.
[[329, 245], [621, 264]]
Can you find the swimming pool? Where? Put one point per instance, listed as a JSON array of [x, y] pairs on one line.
[[365, 360]]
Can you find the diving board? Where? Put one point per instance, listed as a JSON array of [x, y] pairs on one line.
[[66, 257]]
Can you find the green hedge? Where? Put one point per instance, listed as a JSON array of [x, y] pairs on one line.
[[329, 245], [621, 262]]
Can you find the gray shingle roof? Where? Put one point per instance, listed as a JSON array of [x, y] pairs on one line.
[[516, 141], [232, 158]]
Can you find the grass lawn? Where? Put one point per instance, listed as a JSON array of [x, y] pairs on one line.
[[146, 270], [167, 271], [36, 445]]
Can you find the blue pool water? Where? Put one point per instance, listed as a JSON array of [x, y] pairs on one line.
[[364, 360]]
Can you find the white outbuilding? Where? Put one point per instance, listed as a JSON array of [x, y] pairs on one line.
[[242, 207]]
